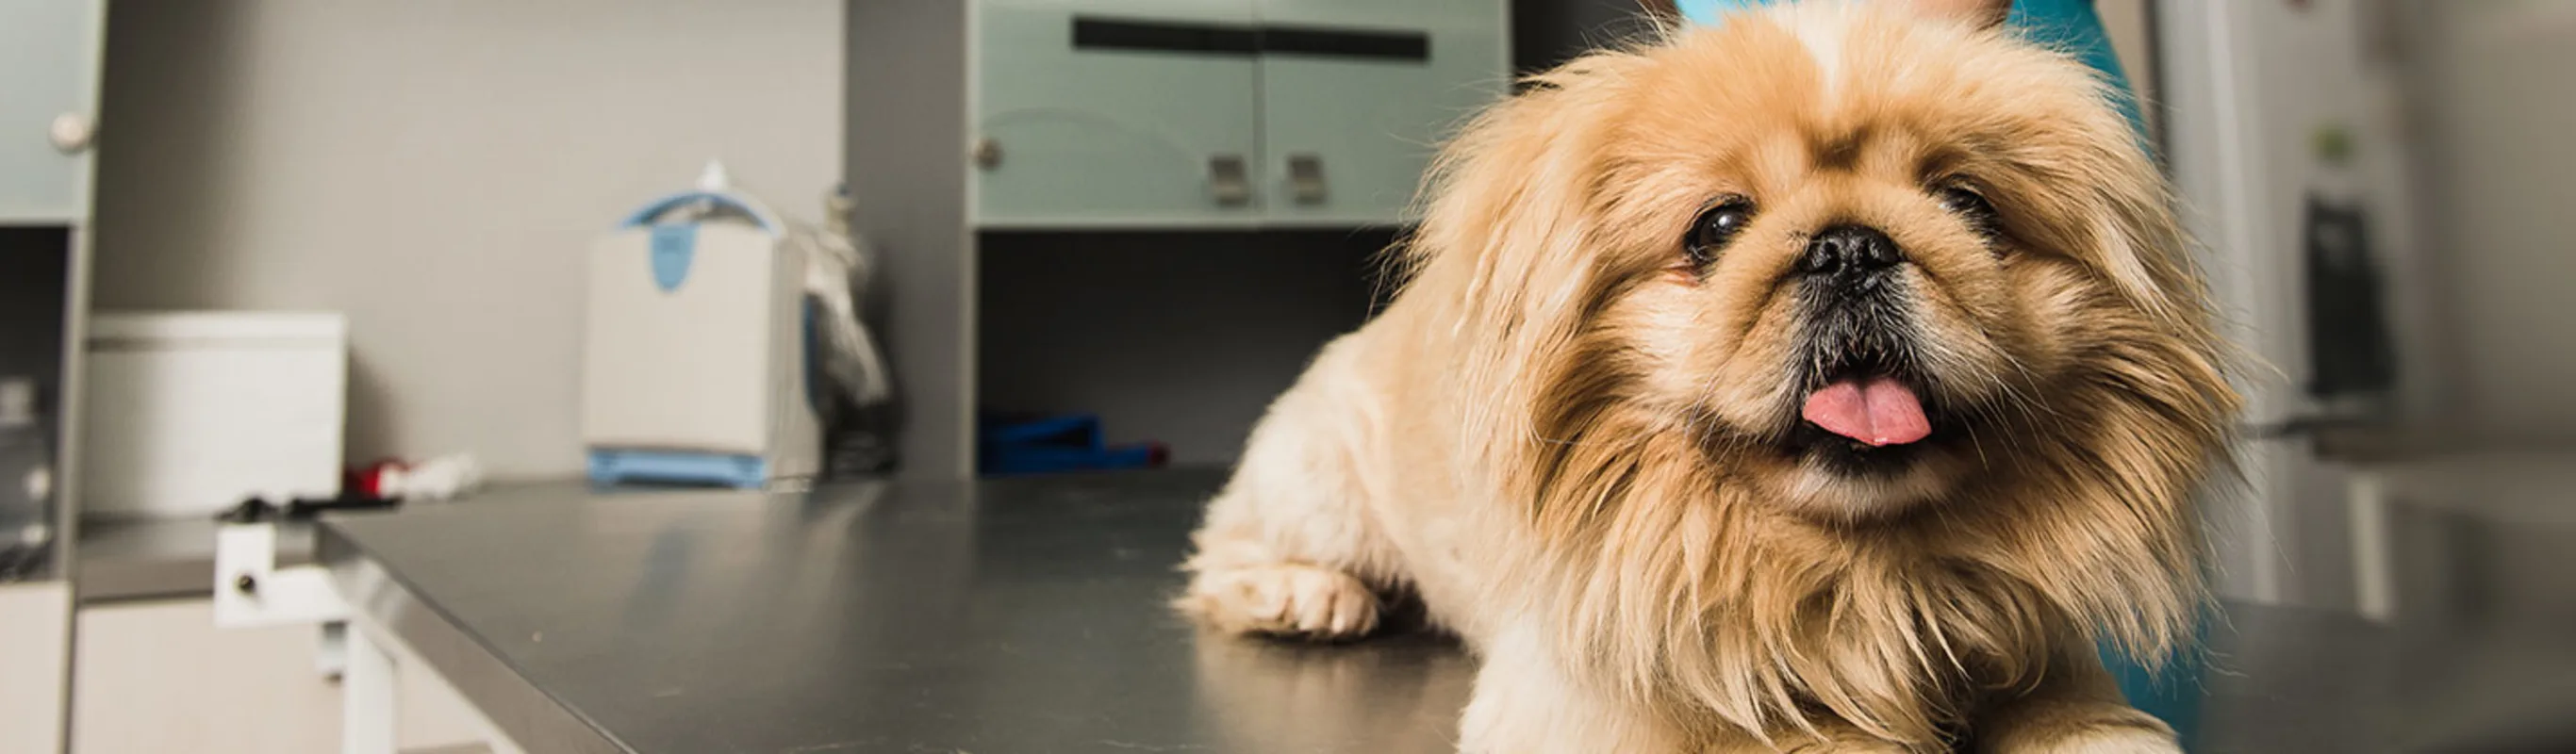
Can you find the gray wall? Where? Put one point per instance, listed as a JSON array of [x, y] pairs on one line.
[[436, 171], [2499, 177], [906, 128]]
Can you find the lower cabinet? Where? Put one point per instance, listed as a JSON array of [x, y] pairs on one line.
[[33, 616], [154, 677]]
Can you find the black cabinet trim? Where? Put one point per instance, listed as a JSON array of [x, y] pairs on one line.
[[1320, 42], [1232, 40], [1090, 33]]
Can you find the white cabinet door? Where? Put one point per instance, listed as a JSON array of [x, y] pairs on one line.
[[49, 63], [1358, 96], [156, 677], [159, 676], [1115, 113]]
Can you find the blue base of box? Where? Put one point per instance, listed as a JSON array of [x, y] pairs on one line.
[[612, 467]]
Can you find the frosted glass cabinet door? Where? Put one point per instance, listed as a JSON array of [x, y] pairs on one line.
[[49, 59], [1126, 113], [1358, 95], [1346, 9]]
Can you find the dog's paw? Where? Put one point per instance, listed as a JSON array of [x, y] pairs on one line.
[[2120, 740], [2117, 731], [1856, 746], [1283, 600], [1840, 742]]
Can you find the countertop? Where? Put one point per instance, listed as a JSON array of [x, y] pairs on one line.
[[169, 558], [137, 558], [1014, 616]]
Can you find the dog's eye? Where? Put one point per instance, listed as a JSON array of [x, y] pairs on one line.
[[1972, 207], [1715, 227]]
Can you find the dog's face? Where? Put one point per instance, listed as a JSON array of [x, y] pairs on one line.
[[1860, 265], [1861, 259], [1719, 312]]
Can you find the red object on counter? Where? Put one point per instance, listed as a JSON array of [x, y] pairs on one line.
[[371, 480]]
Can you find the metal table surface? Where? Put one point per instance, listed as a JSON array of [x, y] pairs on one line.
[[1018, 616]]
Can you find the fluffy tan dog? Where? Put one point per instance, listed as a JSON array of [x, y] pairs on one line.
[[1829, 378]]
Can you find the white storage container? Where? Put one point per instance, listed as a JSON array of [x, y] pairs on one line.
[[190, 412], [695, 367]]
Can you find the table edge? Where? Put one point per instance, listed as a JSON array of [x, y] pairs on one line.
[[379, 600]]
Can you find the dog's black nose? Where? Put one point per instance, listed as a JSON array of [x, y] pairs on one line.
[[1849, 250]]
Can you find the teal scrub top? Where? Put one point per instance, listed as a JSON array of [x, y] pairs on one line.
[[2069, 25]]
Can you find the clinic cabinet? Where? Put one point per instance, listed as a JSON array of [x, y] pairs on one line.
[[981, 132], [49, 82], [49, 52], [1219, 113]]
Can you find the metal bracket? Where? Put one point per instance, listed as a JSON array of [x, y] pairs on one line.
[[251, 591]]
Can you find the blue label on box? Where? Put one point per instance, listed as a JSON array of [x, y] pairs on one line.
[[673, 247]]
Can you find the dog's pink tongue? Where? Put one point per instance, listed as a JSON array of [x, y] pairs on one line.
[[1878, 411]]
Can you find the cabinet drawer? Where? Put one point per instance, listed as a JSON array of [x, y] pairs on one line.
[[49, 61], [1093, 114]]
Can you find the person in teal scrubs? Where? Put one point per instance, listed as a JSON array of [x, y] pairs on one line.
[[2075, 27], [2070, 25]]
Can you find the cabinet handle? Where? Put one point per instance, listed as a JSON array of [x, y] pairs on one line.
[[1229, 180], [1306, 178], [72, 133], [987, 153]]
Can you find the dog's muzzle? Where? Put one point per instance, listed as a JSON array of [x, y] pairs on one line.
[[1860, 355], [1853, 298]]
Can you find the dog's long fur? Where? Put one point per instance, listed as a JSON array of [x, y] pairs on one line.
[[1564, 445]]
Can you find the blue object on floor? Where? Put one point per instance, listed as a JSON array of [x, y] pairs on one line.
[[1011, 445]]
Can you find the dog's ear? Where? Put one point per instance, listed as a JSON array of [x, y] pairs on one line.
[[1506, 249], [2156, 384], [2106, 192], [1519, 174], [2146, 252]]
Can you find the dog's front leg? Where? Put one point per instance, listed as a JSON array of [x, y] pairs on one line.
[[2077, 709], [1526, 703], [1289, 547]]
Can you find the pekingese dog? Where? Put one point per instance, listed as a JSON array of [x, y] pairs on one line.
[[1827, 378]]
